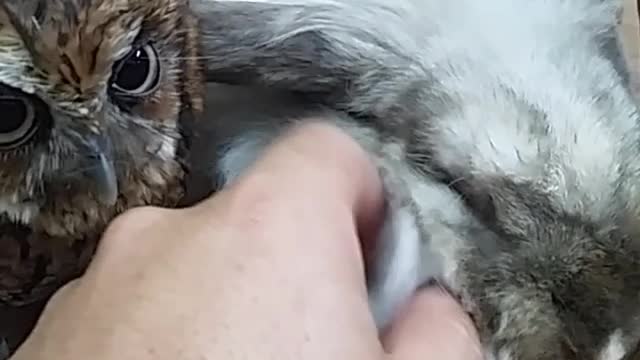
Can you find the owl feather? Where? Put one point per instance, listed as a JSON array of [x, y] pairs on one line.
[[96, 96]]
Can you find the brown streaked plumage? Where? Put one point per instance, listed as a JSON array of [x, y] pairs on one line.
[[94, 138]]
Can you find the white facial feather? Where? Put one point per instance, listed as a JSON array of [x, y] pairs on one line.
[[14, 60], [20, 212]]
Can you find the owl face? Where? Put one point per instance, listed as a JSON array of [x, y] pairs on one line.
[[91, 94]]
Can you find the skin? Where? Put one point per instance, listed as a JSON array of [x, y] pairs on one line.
[[244, 281]]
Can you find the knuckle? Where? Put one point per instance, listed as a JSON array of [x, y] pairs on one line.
[[136, 219]]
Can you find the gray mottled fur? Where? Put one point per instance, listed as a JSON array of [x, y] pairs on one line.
[[509, 125]]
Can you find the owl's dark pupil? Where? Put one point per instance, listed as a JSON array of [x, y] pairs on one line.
[[134, 71], [14, 114]]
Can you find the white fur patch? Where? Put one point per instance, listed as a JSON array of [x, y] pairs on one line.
[[614, 349], [399, 266]]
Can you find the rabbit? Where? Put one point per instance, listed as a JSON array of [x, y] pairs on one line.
[[507, 138]]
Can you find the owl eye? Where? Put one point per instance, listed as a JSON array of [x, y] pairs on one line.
[[138, 73], [18, 122]]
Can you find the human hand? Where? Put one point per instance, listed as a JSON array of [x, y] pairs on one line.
[[269, 268]]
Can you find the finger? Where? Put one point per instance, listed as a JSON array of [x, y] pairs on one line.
[[318, 158], [433, 326], [314, 180], [298, 211]]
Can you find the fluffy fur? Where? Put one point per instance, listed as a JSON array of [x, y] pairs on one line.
[[509, 125]]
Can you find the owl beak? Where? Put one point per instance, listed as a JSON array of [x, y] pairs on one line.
[[102, 170]]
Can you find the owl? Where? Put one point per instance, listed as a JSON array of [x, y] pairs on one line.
[[95, 98]]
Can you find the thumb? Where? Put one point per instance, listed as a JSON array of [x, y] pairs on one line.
[[433, 326]]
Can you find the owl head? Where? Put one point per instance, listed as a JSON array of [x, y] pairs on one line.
[[91, 97]]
